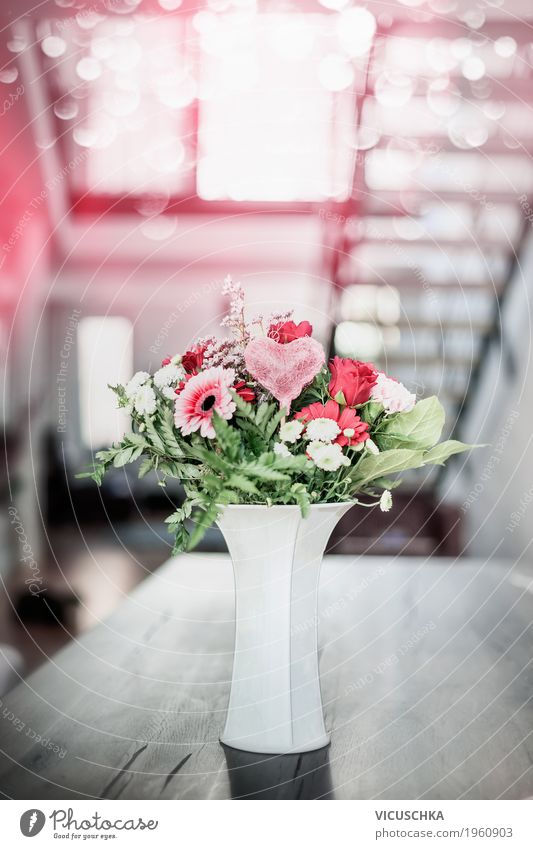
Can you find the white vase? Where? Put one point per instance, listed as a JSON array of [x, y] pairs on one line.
[[275, 705]]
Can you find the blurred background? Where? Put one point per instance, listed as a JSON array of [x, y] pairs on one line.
[[367, 164]]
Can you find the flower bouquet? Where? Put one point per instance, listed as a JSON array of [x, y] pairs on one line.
[[260, 418], [274, 445]]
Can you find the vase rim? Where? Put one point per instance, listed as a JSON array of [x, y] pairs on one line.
[[289, 506]]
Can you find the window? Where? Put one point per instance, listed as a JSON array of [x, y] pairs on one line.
[[105, 357]]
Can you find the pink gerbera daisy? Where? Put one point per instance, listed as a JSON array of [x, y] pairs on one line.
[[202, 395]]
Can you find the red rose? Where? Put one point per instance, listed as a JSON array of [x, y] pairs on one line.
[[353, 378], [288, 331], [192, 360], [245, 392]]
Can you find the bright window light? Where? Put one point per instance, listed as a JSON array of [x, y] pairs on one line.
[[105, 356], [266, 123], [134, 124]]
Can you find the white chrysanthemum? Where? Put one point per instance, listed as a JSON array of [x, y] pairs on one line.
[[314, 446], [168, 375], [145, 401], [291, 431], [371, 446], [385, 502], [325, 430], [133, 385], [328, 456], [281, 450], [394, 396], [169, 392]]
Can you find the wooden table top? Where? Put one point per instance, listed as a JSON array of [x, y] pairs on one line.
[[427, 679]]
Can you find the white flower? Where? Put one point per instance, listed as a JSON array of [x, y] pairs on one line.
[[327, 456], [313, 447], [168, 375], [281, 450], [371, 446], [145, 401], [169, 392], [291, 431], [322, 429], [138, 380], [385, 502], [394, 396]]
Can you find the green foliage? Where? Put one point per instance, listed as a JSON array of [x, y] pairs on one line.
[[240, 465], [419, 429], [442, 452]]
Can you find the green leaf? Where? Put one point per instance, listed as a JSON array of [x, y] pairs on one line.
[[168, 433], [146, 466], [203, 519], [385, 463], [421, 428], [370, 411], [136, 439], [259, 469], [228, 437], [154, 437], [274, 423], [243, 483], [243, 407], [123, 457], [440, 453], [301, 495], [264, 413]]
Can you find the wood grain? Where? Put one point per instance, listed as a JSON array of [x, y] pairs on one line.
[[426, 674]]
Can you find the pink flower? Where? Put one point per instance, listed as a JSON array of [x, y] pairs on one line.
[[202, 395], [352, 429], [394, 396]]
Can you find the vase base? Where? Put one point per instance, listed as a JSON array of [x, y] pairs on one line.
[[258, 748]]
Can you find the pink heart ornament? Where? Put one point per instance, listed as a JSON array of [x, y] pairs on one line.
[[284, 370]]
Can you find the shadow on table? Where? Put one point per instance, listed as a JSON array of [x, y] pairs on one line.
[[254, 776]]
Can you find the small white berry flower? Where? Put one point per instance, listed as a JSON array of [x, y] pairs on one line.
[[133, 385], [385, 502], [169, 392], [371, 446], [168, 375], [291, 431], [322, 429], [348, 432], [281, 450], [145, 401]]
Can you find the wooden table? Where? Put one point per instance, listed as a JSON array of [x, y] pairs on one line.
[[426, 674]]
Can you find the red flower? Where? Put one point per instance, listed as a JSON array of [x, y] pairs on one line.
[[192, 360], [353, 378], [246, 392], [347, 420], [166, 362], [288, 331]]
